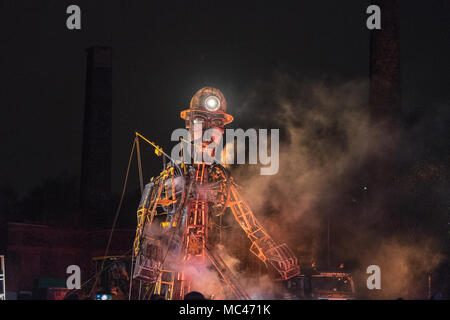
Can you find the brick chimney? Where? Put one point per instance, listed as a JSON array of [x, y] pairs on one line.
[[95, 189], [385, 101]]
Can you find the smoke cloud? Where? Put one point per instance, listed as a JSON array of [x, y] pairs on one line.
[[350, 189], [329, 145]]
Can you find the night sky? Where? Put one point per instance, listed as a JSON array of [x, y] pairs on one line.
[[164, 51]]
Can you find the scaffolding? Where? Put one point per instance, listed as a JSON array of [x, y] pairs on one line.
[[2, 278], [165, 284]]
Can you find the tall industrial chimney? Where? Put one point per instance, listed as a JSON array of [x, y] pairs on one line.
[[385, 90], [95, 190]]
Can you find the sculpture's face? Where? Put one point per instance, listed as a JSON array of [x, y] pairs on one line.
[[207, 116]]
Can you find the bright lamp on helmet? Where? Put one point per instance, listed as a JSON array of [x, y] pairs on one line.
[[212, 103]]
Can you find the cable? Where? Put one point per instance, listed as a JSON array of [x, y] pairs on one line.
[[131, 273], [141, 178], [116, 215]]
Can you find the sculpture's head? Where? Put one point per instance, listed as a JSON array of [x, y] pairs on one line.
[[208, 107], [207, 112]]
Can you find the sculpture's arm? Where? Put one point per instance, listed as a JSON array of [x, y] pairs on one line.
[[263, 246]]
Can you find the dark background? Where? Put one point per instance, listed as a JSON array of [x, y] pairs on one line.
[[163, 52]]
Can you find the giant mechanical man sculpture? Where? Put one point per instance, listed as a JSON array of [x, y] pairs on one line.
[[179, 208]]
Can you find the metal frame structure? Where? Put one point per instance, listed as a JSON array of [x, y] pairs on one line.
[[191, 197], [159, 198]]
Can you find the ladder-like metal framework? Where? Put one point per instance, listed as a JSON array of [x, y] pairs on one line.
[[159, 192], [196, 230], [165, 284], [2, 278], [262, 245], [227, 276]]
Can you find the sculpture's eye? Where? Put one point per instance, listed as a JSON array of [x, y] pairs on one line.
[[218, 122], [198, 120]]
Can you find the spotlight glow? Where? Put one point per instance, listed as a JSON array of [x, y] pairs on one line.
[[212, 103]]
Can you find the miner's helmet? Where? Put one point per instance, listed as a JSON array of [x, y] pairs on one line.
[[209, 103]]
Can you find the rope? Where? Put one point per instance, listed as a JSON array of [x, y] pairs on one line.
[[141, 178], [116, 216], [131, 273]]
